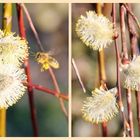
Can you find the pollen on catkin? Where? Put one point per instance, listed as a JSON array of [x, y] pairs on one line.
[[131, 72], [101, 107], [11, 86], [95, 31], [13, 49]]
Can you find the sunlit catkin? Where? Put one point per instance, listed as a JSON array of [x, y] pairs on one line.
[[131, 72], [11, 86], [13, 49], [101, 107], [96, 31]]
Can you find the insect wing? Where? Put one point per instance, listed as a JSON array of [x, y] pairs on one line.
[[53, 62]]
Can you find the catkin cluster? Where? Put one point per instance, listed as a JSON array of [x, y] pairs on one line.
[[13, 52], [96, 32]]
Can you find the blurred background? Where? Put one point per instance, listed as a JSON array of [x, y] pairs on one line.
[[87, 63], [51, 23]]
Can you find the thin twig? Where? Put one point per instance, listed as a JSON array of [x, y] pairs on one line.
[[27, 70], [125, 124], [132, 14], [41, 48], [123, 32], [102, 73], [44, 89], [32, 26], [58, 91], [134, 53], [130, 113], [78, 75], [125, 61], [138, 109], [41, 88], [133, 35]]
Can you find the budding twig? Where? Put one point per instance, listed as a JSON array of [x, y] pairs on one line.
[[41, 48], [124, 59], [134, 53], [132, 14], [32, 27], [125, 124], [47, 90]]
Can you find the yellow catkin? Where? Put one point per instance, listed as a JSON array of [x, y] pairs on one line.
[[101, 106], [7, 18], [95, 30]]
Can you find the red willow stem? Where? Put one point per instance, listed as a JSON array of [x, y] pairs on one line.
[[138, 109], [132, 34], [58, 91], [132, 15], [41, 48], [27, 70], [130, 113], [134, 53], [125, 124], [32, 27], [125, 61], [47, 90], [123, 31]]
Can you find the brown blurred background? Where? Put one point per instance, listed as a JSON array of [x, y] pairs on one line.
[[51, 22], [87, 63]]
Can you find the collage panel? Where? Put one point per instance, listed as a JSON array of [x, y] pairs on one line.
[[34, 70], [105, 70], [69, 70]]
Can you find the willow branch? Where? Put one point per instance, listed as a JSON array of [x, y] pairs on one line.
[[134, 53], [121, 106], [32, 27], [46, 90], [132, 14], [130, 113], [41, 48], [133, 35], [6, 25], [102, 73], [138, 109], [27, 70], [123, 32], [125, 61], [78, 76], [41, 88], [58, 91]]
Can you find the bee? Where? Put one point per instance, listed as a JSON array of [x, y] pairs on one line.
[[46, 60]]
